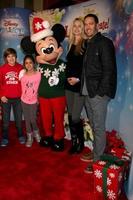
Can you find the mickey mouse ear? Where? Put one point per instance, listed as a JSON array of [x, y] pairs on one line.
[[27, 46], [59, 32]]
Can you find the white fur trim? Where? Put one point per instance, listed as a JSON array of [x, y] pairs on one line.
[[45, 24], [40, 35]]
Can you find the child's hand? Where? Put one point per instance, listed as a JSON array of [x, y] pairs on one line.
[[4, 99]]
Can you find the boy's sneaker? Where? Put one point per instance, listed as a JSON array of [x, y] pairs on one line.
[[22, 140], [4, 143]]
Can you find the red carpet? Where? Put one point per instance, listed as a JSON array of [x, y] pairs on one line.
[[40, 174]]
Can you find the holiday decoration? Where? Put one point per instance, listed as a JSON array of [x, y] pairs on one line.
[[108, 178]]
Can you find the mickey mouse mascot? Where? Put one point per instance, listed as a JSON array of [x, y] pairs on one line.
[[45, 43]]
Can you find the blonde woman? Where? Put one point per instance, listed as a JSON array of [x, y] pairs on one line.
[[73, 72]]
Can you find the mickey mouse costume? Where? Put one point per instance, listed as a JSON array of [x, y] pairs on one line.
[[45, 43]]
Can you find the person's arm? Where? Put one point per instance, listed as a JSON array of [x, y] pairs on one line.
[[2, 96], [21, 73], [108, 62]]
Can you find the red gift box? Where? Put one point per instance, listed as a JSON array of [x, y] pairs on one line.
[[108, 180]]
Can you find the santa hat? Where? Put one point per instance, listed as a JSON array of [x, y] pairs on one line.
[[41, 29]]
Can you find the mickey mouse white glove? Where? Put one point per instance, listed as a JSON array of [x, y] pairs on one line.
[[21, 73]]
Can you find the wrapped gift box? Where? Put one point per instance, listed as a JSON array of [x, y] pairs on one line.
[[108, 180]]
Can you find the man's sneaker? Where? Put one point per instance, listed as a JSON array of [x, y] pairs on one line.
[[89, 169], [22, 140], [4, 143], [88, 157]]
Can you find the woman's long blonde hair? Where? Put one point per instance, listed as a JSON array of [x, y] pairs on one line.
[[71, 36]]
